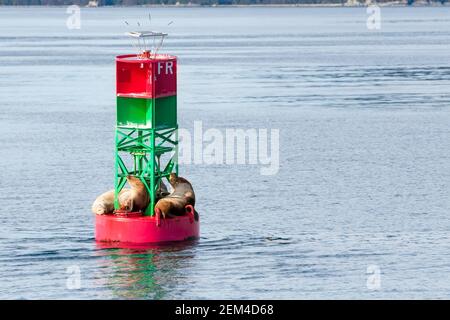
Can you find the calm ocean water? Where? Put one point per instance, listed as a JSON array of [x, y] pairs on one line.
[[364, 175]]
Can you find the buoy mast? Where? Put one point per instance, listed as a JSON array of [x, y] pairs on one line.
[[146, 138]]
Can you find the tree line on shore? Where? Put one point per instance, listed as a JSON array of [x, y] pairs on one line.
[[193, 2]]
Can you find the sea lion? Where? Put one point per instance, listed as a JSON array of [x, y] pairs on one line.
[[182, 187], [182, 195], [136, 198], [162, 191], [104, 203]]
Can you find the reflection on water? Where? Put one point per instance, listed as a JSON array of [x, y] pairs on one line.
[[143, 271]]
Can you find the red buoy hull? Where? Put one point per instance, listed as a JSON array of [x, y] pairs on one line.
[[145, 229]]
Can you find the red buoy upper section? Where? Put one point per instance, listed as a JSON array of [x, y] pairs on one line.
[[146, 75]]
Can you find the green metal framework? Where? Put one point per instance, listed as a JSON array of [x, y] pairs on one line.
[[139, 151]]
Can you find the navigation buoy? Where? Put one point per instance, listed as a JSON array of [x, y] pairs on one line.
[[146, 145]]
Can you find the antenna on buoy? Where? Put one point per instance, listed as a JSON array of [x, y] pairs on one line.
[[133, 44], [147, 51]]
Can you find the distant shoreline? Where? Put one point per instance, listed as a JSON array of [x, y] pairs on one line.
[[302, 5]]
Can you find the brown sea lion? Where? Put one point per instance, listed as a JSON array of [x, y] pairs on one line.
[[174, 204], [104, 203], [162, 191], [136, 198], [182, 187]]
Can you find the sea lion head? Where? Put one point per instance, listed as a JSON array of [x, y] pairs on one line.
[[134, 182], [99, 208], [162, 191], [127, 204], [173, 178]]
